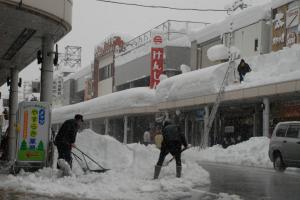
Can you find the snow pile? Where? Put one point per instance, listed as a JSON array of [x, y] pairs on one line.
[[135, 97], [130, 176], [253, 152], [195, 83]]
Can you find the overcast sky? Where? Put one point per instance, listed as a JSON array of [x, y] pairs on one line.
[[94, 20]]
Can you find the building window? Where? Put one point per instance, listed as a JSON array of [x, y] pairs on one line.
[[105, 72], [256, 45]]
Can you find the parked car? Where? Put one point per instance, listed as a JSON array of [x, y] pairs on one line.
[[284, 148]]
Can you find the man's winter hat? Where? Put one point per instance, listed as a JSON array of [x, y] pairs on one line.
[[79, 117]]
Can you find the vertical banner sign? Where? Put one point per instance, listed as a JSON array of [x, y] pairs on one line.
[[34, 120], [157, 60]]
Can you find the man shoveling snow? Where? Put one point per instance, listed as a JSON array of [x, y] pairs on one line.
[[64, 142]]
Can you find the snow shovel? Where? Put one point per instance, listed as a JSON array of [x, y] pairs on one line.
[[85, 169], [168, 162]]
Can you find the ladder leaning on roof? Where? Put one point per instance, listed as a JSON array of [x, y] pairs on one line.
[[212, 115]]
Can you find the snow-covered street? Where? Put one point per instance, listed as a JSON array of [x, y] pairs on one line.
[[132, 168]]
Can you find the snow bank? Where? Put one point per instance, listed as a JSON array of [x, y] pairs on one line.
[[253, 152], [130, 176]]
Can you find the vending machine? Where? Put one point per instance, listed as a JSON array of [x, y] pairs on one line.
[[33, 131]]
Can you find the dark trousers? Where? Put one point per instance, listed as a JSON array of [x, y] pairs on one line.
[[174, 149], [241, 76], [64, 152]]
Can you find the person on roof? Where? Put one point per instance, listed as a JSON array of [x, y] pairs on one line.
[[243, 69]]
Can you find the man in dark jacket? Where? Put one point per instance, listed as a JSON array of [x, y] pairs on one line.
[[243, 69], [172, 142], [65, 139]]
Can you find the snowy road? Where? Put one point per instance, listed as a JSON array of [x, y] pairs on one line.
[[252, 183]]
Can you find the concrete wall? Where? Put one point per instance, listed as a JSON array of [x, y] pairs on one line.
[[244, 39], [68, 94], [140, 67], [132, 70], [194, 55], [105, 87], [61, 9], [203, 60], [176, 56]]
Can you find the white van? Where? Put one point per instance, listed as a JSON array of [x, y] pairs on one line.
[[284, 148]]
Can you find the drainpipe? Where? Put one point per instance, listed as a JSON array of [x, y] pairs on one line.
[[47, 69], [13, 106], [266, 117], [125, 129]]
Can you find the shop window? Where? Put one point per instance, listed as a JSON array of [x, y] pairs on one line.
[[105, 72], [281, 131], [256, 45], [293, 131]]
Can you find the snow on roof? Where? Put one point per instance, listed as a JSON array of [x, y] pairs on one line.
[[131, 98], [195, 83], [278, 3], [244, 18], [266, 69], [270, 68]]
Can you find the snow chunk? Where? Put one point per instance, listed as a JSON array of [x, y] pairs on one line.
[[185, 68], [218, 52]]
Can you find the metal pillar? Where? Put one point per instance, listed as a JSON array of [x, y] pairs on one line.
[[106, 121], [186, 127], [125, 129], [47, 69], [13, 106], [204, 140], [266, 116]]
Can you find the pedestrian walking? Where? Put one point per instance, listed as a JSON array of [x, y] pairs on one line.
[[66, 137], [172, 143], [147, 137], [243, 69], [158, 138]]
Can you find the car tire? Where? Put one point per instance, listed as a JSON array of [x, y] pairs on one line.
[[278, 163]]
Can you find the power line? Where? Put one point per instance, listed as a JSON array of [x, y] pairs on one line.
[[164, 7]]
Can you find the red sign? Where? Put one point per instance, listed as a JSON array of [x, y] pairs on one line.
[[157, 40], [157, 66]]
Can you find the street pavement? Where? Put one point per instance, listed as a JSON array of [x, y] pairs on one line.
[[250, 183]]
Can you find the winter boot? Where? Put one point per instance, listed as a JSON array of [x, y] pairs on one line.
[[178, 171], [156, 171]]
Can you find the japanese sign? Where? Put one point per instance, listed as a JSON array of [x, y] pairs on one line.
[[292, 18], [34, 123], [157, 60]]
